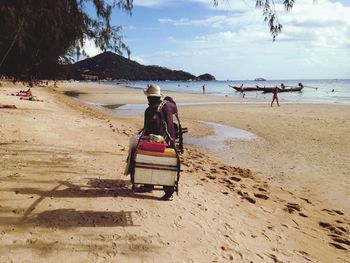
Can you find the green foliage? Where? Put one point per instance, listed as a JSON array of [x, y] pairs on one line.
[[38, 35]]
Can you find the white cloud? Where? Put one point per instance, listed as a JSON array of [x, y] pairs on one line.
[[151, 3], [314, 42], [233, 5], [139, 60], [128, 27], [219, 21], [90, 48], [325, 23]]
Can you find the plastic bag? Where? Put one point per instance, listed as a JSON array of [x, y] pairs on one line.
[[157, 138]]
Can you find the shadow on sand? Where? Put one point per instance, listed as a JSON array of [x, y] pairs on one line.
[[65, 218], [93, 188]]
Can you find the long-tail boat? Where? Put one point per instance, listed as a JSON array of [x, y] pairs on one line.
[[244, 89], [271, 89]]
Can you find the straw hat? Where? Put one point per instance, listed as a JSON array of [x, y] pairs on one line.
[[152, 91]]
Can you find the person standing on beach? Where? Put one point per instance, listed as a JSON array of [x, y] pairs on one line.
[[159, 121], [275, 97], [302, 86], [203, 88], [241, 88]]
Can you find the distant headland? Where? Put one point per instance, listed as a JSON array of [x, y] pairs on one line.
[[111, 66]]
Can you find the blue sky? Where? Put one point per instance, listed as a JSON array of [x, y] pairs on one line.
[[233, 42]]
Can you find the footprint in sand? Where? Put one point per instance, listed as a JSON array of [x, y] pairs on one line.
[[306, 200], [292, 207], [336, 245], [303, 215], [228, 181], [224, 168], [236, 179], [333, 229], [338, 234], [342, 241], [245, 195], [262, 189], [261, 196], [333, 212]]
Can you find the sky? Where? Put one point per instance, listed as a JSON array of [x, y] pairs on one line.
[[232, 41]]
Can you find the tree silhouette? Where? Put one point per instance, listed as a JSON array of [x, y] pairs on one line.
[[39, 35]]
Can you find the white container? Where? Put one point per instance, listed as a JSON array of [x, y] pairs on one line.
[[154, 176], [155, 170]]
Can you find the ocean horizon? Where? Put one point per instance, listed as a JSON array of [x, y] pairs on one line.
[[326, 91]]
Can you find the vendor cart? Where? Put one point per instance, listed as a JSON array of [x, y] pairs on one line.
[[155, 168]]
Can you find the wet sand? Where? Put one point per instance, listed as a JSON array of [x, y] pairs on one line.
[[63, 193]]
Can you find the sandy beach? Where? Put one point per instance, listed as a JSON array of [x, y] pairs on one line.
[[63, 195]]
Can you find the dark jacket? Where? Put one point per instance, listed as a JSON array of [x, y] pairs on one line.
[[154, 120]]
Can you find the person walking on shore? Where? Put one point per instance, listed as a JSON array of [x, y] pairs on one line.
[[275, 97], [203, 88]]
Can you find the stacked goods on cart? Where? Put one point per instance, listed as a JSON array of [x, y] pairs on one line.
[[153, 143]]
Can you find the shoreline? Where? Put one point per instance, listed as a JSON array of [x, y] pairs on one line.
[[320, 97], [221, 96], [64, 193], [289, 172]]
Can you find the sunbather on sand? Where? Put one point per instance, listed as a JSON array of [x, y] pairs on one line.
[[5, 106], [17, 93], [23, 93], [31, 98]]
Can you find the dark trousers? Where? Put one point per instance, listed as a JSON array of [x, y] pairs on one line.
[[169, 190]]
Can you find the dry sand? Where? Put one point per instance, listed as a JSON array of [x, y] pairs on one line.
[[63, 195]]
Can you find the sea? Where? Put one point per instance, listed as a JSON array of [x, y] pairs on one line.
[[325, 91]]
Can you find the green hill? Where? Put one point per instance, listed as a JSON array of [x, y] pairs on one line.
[[109, 65]]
